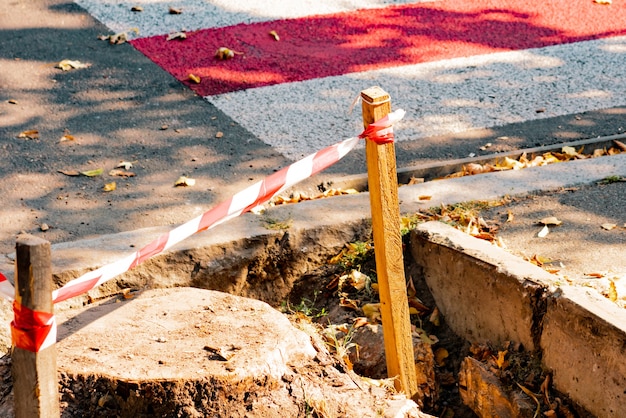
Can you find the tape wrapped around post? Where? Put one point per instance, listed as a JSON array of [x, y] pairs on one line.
[[32, 330], [381, 131]]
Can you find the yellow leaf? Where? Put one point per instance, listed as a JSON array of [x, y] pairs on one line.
[[92, 173], [184, 181], [375, 287], [441, 354], [612, 291], [67, 65], [424, 197], [607, 2], [549, 158], [194, 78], [274, 35], [372, 311], [30, 134], [224, 53], [67, 137], [544, 232], [501, 360], [109, 187], [570, 151], [413, 311]]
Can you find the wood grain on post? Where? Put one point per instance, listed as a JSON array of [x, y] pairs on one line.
[[35, 384], [383, 189]]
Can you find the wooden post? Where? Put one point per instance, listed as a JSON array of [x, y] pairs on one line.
[[383, 189], [35, 383]]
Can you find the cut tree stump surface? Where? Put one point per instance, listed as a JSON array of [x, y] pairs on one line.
[[197, 353], [180, 333]]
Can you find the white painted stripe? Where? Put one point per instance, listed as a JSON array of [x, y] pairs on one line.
[[442, 97], [202, 14]]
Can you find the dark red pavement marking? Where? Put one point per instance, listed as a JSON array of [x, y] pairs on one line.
[[329, 45]]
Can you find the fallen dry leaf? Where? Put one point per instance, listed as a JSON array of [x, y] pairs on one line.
[[424, 197], [67, 137], [219, 134], [175, 11], [121, 173], [359, 322], [607, 2], [136, 9], [501, 361], [44, 227], [126, 165], [372, 311], [348, 303], [612, 291], [510, 216], [184, 181], [224, 53], [30, 134], [71, 173], [92, 173], [608, 226], [550, 220], [570, 151], [441, 354], [194, 78], [176, 35], [274, 35], [620, 145], [67, 65], [12, 101], [544, 232], [416, 180], [434, 317], [109, 187]]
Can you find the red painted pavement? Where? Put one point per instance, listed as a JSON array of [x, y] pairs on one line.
[[329, 45]]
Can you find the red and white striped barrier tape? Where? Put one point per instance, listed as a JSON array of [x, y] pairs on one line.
[[34, 330]]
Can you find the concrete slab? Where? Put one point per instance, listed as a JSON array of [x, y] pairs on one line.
[[584, 344]]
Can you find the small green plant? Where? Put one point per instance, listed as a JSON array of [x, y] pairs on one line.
[[612, 179], [306, 307], [338, 338], [276, 224], [354, 254]]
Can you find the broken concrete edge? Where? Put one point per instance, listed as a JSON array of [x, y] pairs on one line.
[[231, 256], [70, 259], [486, 294]]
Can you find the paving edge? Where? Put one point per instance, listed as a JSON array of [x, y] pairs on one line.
[[488, 295]]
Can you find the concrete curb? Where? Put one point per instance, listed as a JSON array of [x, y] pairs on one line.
[[488, 295], [334, 215], [247, 258]]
